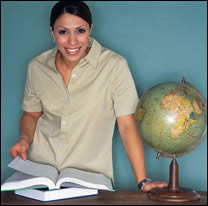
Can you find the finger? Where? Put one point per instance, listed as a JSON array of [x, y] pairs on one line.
[[23, 153], [23, 156], [14, 153], [163, 183], [160, 184]]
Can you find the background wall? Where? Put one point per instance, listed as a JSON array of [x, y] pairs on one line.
[[162, 41]]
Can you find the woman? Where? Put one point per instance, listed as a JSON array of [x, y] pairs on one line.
[[74, 93]]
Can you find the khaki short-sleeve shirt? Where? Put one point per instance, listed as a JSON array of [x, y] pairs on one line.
[[78, 121]]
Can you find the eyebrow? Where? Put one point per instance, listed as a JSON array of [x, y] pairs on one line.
[[68, 29]]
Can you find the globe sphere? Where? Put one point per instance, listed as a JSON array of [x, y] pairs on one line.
[[172, 118]]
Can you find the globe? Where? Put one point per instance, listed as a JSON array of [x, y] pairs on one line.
[[172, 118]]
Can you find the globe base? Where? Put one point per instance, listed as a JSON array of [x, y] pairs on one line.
[[167, 195], [173, 193]]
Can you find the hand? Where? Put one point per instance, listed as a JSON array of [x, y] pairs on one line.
[[148, 186], [20, 148]]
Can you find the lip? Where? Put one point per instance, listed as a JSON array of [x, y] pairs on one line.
[[72, 51]]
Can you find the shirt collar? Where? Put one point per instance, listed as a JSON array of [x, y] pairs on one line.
[[92, 57], [51, 55], [94, 53]]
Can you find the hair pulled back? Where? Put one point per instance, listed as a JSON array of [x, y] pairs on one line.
[[77, 8]]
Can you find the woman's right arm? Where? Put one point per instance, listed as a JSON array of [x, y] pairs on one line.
[[28, 124]]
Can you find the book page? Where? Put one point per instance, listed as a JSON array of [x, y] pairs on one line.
[[35, 169], [84, 178], [21, 180], [71, 185]]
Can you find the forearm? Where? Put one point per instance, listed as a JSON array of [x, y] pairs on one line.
[[133, 145], [27, 127], [27, 130], [134, 148]]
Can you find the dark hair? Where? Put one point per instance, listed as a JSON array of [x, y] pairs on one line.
[[77, 8]]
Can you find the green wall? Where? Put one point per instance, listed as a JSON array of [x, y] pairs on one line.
[[162, 41]]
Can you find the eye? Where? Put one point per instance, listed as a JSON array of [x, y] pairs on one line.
[[81, 31], [63, 32]]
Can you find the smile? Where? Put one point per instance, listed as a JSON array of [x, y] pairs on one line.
[[73, 51]]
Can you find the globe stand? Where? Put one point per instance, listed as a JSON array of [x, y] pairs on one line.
[[173, 193]]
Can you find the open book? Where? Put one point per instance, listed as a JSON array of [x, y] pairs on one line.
[[33, 175]]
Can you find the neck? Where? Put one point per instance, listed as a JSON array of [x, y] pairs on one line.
[[70, 65], [67, 64]]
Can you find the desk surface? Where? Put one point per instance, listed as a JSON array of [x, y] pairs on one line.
[[104, 198]]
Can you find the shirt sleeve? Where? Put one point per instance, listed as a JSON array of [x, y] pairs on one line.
[[124, 93], [31, 103]]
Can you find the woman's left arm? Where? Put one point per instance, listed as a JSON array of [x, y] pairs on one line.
[[134, 148]]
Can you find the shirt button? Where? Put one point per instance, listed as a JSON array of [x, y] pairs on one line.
[[73, 75], [63, 122], [61, 143]]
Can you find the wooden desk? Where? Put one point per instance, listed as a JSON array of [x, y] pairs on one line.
[[104, 198]]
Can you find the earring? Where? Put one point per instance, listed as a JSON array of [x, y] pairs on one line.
[[89, 42]]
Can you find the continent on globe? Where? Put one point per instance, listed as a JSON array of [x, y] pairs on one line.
[[185, 112]]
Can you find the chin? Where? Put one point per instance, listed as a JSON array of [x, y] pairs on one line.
[[74, 58]]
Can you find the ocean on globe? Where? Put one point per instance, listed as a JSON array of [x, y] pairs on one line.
[[172, 118]]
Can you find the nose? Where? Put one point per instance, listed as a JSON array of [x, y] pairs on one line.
[[72, 39]]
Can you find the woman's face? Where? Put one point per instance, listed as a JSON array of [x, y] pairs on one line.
[[71, 34]]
